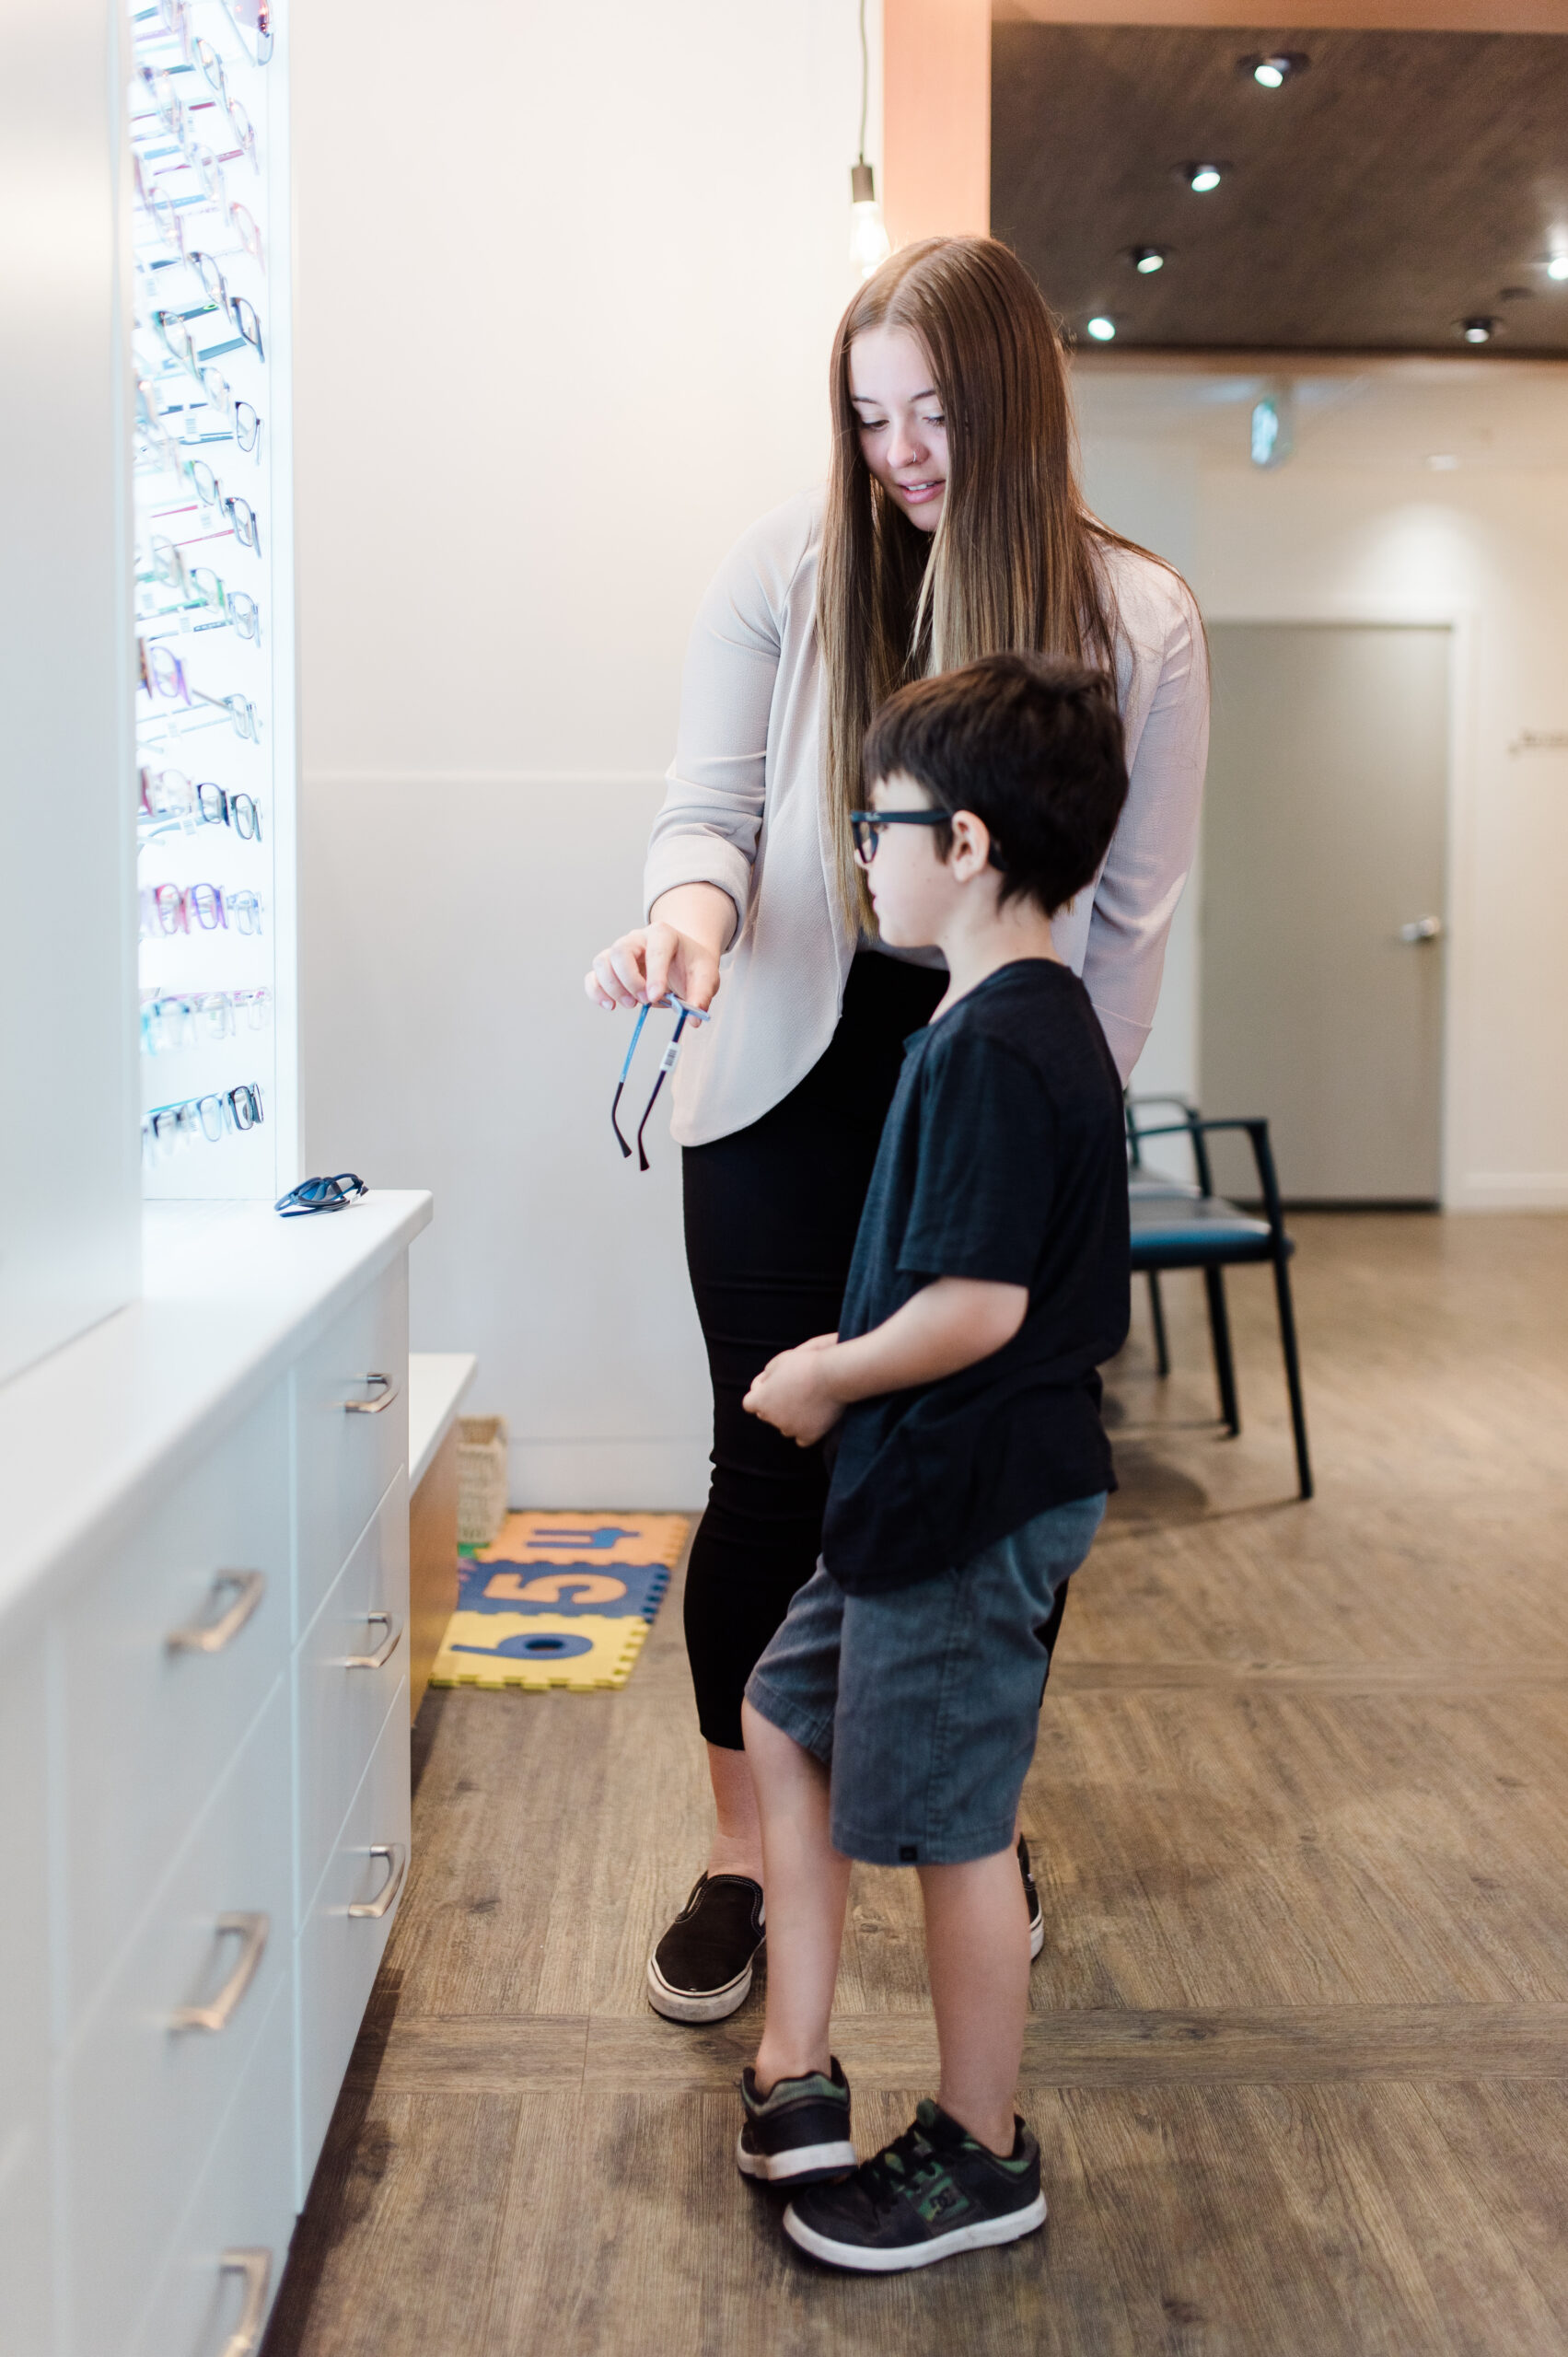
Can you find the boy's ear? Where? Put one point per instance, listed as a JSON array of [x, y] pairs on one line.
[[972, 843]]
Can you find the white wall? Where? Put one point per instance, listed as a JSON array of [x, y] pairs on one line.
[[70, 1199], [1482, 545], [566, 282]]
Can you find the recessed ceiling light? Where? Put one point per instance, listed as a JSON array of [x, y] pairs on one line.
[[1202, 178], [1147, 260], [1272, 72], [1558, 266], [1478, 329], [1441, 462], [1102, 330]]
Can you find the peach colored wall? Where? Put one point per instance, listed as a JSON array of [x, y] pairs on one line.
[[935, 117], [1361, 15]]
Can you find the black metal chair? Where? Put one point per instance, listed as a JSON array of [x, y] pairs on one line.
[[1177, 1226], [1144, 1184]]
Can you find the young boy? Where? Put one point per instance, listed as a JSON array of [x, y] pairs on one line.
[[893, 1717]]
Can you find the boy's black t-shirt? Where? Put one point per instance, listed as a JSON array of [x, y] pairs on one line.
[[1004, 1156]]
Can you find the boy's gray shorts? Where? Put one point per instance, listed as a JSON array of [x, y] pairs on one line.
[[925, 1702]]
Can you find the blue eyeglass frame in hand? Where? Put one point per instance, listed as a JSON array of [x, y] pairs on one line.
[[684, 1016]]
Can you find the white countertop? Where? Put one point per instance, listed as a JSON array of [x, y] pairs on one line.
[[91, 1436], [437, 1383]]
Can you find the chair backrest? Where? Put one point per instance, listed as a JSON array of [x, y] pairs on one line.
[[1191, 1119]]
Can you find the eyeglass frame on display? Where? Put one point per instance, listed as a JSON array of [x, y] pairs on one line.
[[241, 905], [666, 1064], [186, 1115], [238, 811], [193, 1008]]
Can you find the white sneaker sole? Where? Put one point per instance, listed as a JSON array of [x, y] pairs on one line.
[[688, 2006], [818, 2162], [1037, 1936], [1010, 2229]]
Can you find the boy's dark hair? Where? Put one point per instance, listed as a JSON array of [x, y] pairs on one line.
[[1030, 744]]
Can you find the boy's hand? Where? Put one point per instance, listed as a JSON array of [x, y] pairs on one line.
[[791, 1393]]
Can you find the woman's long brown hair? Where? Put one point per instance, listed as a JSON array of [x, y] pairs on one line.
[[1013, 564]]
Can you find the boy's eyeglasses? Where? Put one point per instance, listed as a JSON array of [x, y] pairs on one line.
[[866, 825], [666, 1063]]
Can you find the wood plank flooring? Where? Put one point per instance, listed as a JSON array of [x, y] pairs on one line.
[[1299, 2055]]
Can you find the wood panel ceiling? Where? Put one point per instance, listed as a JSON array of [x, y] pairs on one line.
[[1401, 184]]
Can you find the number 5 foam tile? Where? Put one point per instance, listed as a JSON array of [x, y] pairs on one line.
[[537, 1650], [632, 1591], [599, 1540]]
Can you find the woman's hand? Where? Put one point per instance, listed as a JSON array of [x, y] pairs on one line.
[[680, 951], [793, 1393]]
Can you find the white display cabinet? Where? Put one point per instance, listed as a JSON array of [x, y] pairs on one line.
[[214, 557]]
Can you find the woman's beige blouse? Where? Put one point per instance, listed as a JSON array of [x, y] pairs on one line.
[[743, 809]]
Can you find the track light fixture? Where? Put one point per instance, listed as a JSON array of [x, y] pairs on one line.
[[1478, 329], [1102, 330], [1558, 267], [1202, 178], [1272, 72], [1147, 260]]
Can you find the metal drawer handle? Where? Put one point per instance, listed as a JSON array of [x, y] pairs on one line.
[[373, 1407], [385, 1898], [211, 1636], [383, 1653], [256, 2265], [252, 1933]]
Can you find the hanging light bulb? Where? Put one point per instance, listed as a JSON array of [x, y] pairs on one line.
[[869, 245]]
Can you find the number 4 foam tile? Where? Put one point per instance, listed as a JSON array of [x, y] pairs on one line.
[[599, 1540]]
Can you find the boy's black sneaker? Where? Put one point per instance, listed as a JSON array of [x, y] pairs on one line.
[[931, 2194], [1037, 1919], [701, 1970], [798, 2132]]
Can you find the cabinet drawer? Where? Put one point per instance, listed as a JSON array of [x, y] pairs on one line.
[[342, 1696], [231, 2245], [339, 1951], [346, 1456], [144, 2095], [167, 1655]]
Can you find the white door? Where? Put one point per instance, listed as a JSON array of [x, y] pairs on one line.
[[1322, 989]]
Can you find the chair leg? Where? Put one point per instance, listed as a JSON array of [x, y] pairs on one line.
[[1293, 1375], [1156, 1316], [1225, 1365]]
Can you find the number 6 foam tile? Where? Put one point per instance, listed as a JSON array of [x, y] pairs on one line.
[[537, 1650]]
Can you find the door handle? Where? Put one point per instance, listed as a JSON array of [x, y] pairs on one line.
[[397, 1859], [256, 2265], [211, 1636], [1422, 929], [251, 1932], [383, 1653], [389, 1390]]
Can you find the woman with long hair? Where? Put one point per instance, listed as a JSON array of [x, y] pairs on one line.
[[952, 526]]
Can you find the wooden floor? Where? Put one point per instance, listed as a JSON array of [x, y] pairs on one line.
[[1298, 2058]]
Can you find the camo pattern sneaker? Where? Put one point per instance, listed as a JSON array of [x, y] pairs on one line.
[[1037, 1919], [701, 1970], [931, 2194], [798, 2132]]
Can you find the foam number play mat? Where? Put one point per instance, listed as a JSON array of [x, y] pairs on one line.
[[559, 1599]]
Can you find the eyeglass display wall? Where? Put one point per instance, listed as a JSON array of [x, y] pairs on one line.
[[216, 736]]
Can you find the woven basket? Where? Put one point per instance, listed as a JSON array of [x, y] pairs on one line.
[[482, 1479]]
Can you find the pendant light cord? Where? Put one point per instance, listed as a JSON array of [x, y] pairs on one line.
[[864, 80]]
